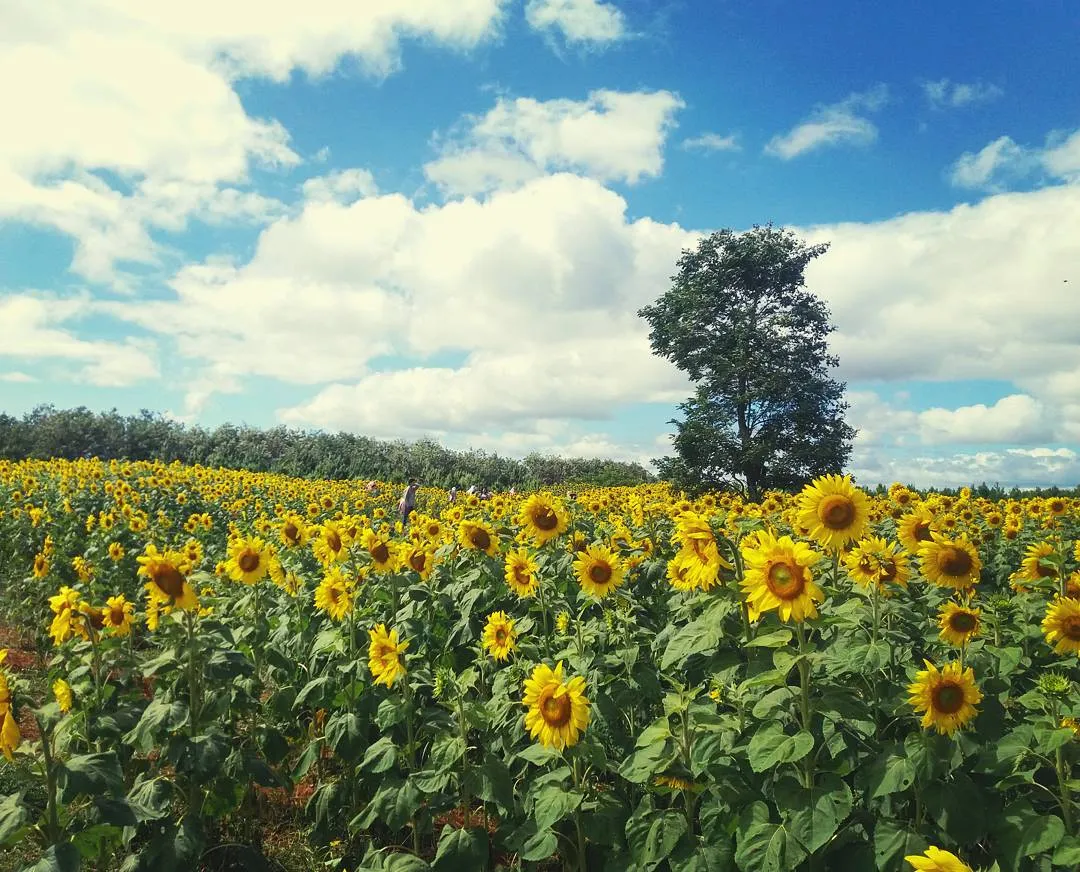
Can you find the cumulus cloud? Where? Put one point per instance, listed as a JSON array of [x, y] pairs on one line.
[[610, 136], [1004, 163], [146, 93], [1017, 418], [33, 332], [711, 142], [342, 186], [1014, 467], [17, 377], [944, 94], [834, 124], [579, 21]]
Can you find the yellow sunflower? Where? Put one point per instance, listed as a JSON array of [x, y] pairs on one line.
[[777, 576], [558, 710], [1061, 625], [294, 531], [334, 595], [249, 560], [10, 736], [947, 698], [959, 624], [951, 563], [936, 860], [500, 637], [916, 528], [378, 547], [520, 572], [420, 559], [116, 552], [64, 697], [834, 511], [1038, 562], [478, 536], [875, 561], [41, 566], [331, 545], [384, 655], [118, 615], [599, 571], [543, 517], [167, 578]]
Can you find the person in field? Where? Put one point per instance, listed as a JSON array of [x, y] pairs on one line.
[[407, 505]]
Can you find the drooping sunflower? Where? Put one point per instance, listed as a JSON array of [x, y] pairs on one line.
[[699, 555], [294, 531], [916, 528], [41, 566], [1038, 562], [778, 577], [875, 561], [384, 655], [10, 736], [834, 511], [558, 711], [1061, 625], [936, 860], [167, 578], [334, 595], [680, 572], [64, 697], [331, 545], [478, 536], [959, 624], [500, 637], [543, 517], [599, 570], [520, 572], [951, 563], [118, 615], [378, 547], [947, 698], [249, 560], [420, 559]]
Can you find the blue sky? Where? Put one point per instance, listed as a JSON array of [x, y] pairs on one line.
[[421, 218]]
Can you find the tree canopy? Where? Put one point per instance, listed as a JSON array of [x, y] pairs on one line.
[[738, 319]]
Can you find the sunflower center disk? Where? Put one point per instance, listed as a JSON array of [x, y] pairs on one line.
[[948, 699], [545, 519], [837, 512], [334, 541], [480, 539], [954, 561], [169, 579], [963, 622], [291, 533], [785, 580], [600, 573], [921, 532], [556, 710], [1071, 629], [248, 561], [380, 553]]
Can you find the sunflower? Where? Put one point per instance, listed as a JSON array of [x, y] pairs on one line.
[[946, 698], [916, 528], [959, 624], [116, 552], [936, 860], [478, 536], [118, 615], [331, 545], [10, 737], [334, 595], [420, 559], [834, 511], [951, 563], [879, 562], [64, 697], [248, 561], [384, 655], [294, 531], [543, 517], [167, 578], [432, 529], [41, 566], [558, 711], [1038, 562], [520, 572], [680, 572], [599, 570], [778, 576], [1061, 625], [500, 638]]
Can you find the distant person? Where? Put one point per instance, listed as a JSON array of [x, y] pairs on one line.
[[471, 490], [407, 505], [513, 490], [453, 495]]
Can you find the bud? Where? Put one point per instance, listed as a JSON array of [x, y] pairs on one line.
[[1054, 684]]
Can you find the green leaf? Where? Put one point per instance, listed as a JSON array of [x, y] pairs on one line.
[[310, 688], [700, 636], [380, 756], [892, 843], [90, 775], [770, 747], [344, 733], [539, 755], [461, 849], [890, 774], [1050, 739], [1068, 852], [13, 817], [496, 785], [552, 804], [814, 814], [157, 718], [646, 762], [1041, 833], [775, 639], [540, 847], [665, 830], [762, 846], [63, 857]]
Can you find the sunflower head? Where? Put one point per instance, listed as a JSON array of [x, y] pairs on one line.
[[558, 711], [834, 511], [599, 570], [778, 577], [1061, 625], [543, 517], [946, 698], [959, 624], [500, 637]]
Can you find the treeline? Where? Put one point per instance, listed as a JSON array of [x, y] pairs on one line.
[[72, 433]]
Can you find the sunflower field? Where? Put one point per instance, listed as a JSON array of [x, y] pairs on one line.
[[198, 660]]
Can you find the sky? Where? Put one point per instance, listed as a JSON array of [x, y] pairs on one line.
[[410, 218]]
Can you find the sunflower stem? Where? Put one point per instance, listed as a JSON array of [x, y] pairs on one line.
[[1063, 788], [544, 612], [52, 819], [463, 727], [804, 702], [582, 862], [194, 707], [410, 740]]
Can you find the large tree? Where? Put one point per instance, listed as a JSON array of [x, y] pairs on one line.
[[740, 322]]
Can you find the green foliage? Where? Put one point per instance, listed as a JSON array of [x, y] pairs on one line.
[[739, 321]]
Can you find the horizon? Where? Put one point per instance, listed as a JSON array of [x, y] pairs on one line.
[[439, 221]]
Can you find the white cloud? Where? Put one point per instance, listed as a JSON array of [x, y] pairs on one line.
[[1015, 419], [144, 95], [1003, 163], [579, 21], [342, 186], [712, 142], [944, 94], [17, 378], [834, 124], [610, 136], [1039, 467], [33, 332]]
